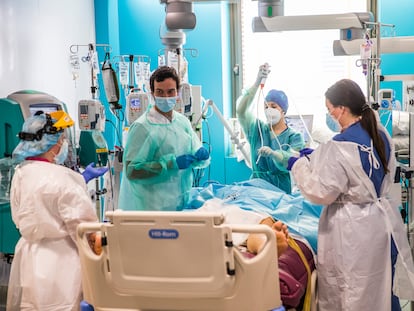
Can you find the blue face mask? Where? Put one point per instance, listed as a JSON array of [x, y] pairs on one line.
[[63, 153], [332, 124], [165, 104]]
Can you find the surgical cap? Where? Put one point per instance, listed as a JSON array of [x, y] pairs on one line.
[[36, 147], [278, 97]]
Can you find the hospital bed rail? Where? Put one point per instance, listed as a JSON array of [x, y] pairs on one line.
[[176, 261]]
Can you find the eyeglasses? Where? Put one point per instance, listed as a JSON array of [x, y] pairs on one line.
[[165, 93]]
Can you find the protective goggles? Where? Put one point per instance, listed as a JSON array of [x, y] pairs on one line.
[[63, 120]]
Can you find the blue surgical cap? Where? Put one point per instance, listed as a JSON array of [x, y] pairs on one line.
[[36, 147], [278, 97]]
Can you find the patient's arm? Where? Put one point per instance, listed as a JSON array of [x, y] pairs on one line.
[[255, 242]]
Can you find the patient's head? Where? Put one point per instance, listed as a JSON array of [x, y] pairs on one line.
[[255, 242]]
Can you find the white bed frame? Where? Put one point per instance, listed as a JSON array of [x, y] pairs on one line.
[[176, 261]]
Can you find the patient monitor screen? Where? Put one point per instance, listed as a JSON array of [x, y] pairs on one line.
[[45, 107], [301, 124]]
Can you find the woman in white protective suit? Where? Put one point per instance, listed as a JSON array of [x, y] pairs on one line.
[[48, 201], [361, 233]]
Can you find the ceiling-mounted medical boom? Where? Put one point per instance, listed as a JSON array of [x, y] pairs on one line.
[[311, 22], [179, 16], [389, 45]]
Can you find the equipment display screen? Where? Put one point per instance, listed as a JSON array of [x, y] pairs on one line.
[[302, 124], [45, 107], [83, 109], [135, 103]]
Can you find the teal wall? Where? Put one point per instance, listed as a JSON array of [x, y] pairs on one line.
[[401, 15], [132, 27]]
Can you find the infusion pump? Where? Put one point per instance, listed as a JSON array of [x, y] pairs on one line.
[[137, 104], [185, 100], [91, 115], [188, 103], [386, 98]]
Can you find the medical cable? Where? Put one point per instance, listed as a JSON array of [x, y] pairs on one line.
[[304, 123], [261, 94]]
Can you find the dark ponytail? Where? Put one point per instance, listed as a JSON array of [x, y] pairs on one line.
[[347, 93]]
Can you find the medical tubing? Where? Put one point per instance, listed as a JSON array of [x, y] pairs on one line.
[[258, 124], [303, 122], [306, 128], [226, 125]]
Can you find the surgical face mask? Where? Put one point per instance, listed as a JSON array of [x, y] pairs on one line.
[[63, 153], [332, 124], [272, 115], [165, 104]]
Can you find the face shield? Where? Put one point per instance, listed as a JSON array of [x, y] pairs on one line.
[[55, 123], [40, 132]]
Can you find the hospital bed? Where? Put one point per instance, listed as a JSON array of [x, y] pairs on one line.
[[176, 261]]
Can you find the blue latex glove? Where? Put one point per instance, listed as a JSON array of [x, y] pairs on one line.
[[291, 161], [92, 172], [305, 151], [185, 160], [201, 154]]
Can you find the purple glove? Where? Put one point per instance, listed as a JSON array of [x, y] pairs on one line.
[[185, 160], [201, 154], [305, 151], [291, 161], [92, 172]]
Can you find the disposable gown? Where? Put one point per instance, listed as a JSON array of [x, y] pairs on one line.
[[48, 201], [151, 179], [355, 228], [259, 134]]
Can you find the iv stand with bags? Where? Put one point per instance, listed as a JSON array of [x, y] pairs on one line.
[[93, 147], [134, 74], [134, 78]]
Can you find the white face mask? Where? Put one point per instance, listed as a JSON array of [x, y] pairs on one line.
[[63, 153], [273, 115]]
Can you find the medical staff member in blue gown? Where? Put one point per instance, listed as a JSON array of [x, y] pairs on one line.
[[272, 143], [161, 151], [48, 201], [361, 233]]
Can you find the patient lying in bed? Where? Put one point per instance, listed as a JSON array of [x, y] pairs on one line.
[[293, 276], [252, 203]]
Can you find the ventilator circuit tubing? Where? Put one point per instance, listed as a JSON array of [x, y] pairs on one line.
[[233, 136]]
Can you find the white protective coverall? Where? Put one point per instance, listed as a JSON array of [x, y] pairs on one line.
[[355, 228], [48, 201]]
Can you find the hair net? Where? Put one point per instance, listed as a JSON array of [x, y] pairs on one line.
[[36, 147], [278, 97]]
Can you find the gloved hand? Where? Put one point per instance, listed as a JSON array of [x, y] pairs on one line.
[[291, 161], [201, 154], [92, 172], [185, 160], [262, 73], [305, 151], [266, 151]]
